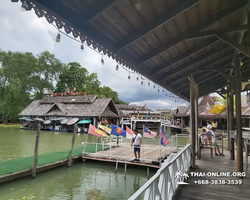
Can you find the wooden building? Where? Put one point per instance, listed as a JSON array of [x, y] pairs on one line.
[[68, 107], [182, 114]]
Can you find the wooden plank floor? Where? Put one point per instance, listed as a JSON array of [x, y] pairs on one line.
[[214, 192], [149, 154]]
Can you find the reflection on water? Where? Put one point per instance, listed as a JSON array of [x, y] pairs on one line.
[[90, 180]]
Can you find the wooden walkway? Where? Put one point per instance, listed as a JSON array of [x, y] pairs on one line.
[[124, 153], [214, 192]]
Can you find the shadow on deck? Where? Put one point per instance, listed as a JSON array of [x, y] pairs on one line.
[[222, 191]]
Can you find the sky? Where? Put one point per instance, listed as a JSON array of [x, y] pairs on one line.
[[25, 32]]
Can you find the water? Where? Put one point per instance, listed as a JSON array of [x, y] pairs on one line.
[[15, 143], [90, 180]]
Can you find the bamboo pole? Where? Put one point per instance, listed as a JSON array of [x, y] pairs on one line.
[[36, 150], [72, 145]]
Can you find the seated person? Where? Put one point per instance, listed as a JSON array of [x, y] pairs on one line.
[[203, 135]]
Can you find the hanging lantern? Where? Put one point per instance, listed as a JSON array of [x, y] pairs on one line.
[[158, 90], [117, 67], [154, 86], [102, 60], [58, 37], [141, 82], [128, 77], [137, 78], [82, 47], [148, 83]]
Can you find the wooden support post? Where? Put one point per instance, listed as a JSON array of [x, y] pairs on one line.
[[238, 115], [192, 118], [182, 124], [231, 120], [72, 145], [196, 122], [148, 172], [36, 150], [117, 141], [228, 118]]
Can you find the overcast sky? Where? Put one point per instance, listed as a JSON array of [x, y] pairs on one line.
[[24, 31]]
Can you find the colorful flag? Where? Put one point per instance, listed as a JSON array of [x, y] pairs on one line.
[[164, 138], [148, 134], [104, 128], [116, 130], [129, 133], [94, 131]]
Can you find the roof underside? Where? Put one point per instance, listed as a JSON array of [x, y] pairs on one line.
[[163, 40]]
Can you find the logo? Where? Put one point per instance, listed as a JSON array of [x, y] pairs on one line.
[[119, 130], [181, 177]]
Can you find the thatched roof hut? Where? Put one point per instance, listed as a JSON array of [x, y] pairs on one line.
[[72, 106]]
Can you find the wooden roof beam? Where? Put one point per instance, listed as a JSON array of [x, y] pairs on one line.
[[203, 66], [236, 45], [206, 89], [216, 78], [225, 75], [210, 89], [68, 15], [221, 94], [185, 54], [200, 26], [155, 23], [214, 32], [92, 13], [206, 80], [200, 79], [96, 11], [206, 55]]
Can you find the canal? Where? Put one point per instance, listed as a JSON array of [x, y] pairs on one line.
[[90, 180]]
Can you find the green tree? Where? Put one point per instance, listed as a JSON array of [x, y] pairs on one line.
[[73, 75], [45, 74], [23, 75], [107, 92]]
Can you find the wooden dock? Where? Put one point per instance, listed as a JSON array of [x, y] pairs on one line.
[[194, 191], [124, 153]]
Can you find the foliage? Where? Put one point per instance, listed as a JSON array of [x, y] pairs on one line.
[[72, 76], [25, 77], [75, 76]]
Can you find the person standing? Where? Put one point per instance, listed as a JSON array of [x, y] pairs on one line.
[[215, 136], [137, 140], [209, 132]]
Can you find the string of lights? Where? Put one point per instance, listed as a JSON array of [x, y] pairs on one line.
[[24, 7], [168, 94]]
